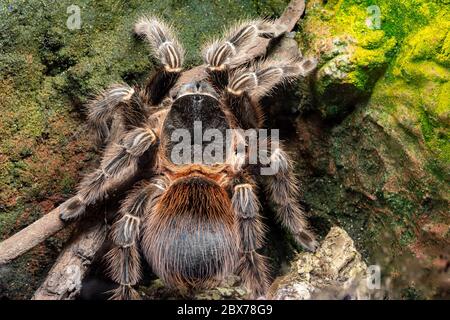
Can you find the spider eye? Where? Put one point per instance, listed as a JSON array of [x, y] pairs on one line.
[[197, 88]]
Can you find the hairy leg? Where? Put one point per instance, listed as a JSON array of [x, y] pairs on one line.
[[119, 164], [248, 85], [252, 266], [261, 78], [283, 189], [124, 264], [166, 48], [231, 51], [103, 108], [131, 101]]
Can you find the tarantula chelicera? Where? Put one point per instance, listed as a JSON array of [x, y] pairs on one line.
[[194, 221]]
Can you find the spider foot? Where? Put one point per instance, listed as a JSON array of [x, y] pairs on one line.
[[219, 54], [162, 40], [125, 292], [260, 79], [307, 240], [232, 50], [252, 269], [72, 209]]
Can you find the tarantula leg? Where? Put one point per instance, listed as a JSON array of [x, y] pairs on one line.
[[248, 112], [252, 266], [124, 292], [261, 79], [102, 109], [124, 259], [159, 86], [253, 270], [163, 43], [283, 188], [125, 269], [222, 55], [246, 84], [166, 48], [119, 164]]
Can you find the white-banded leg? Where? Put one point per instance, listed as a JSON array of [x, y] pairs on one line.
[[119, 164], [163, 42], [231, 51], [260, 79], [167, 49], [102, 109], [252, 266], [228, 51], [123, 260], [248, 85], [283, 189]]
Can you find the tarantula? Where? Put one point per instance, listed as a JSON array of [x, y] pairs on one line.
[[194, 222]]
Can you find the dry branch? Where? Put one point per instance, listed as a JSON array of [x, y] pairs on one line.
[[30, 236], [64, 279]]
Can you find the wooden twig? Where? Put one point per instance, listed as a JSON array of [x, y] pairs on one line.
[[64, 279], [30, 236]]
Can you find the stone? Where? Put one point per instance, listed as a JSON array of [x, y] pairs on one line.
[[335, 271]]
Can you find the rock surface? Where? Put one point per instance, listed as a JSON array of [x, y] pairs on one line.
[[373, 152], [335, 271]]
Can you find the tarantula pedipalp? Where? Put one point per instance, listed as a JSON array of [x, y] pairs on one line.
[[195, 221]]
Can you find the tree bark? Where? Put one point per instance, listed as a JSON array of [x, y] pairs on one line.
[[64, 279]]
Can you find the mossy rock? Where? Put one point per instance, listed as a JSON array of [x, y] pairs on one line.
[[374, 152], [358, 40]]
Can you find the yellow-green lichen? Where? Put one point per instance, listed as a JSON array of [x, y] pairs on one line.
[[373, 33]]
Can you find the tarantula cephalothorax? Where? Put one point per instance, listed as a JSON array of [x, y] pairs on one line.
[[194, 222]]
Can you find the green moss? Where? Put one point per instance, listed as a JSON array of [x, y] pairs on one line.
[[67, 184], [443, 103], [398, 18], [370, 64], [380, 168], [420, 65], [411, 108], [270, 8], [411, 293], [402, 207], [370, 52], [357, 58], [7, 219]]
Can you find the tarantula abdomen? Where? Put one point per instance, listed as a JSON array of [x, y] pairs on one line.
[[191, 238]]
